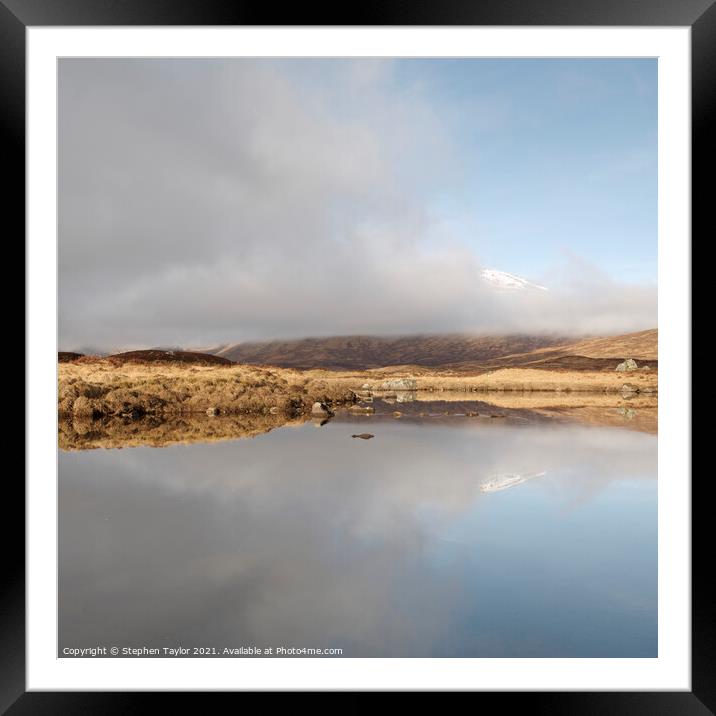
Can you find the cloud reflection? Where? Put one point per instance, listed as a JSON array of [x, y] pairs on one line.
[[307, 537]]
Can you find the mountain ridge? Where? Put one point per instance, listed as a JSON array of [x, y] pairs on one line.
[[361, 352]]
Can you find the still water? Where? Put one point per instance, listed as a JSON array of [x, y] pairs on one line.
[[466, 538]]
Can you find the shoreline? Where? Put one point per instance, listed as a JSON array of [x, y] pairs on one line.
[[162, 431], [103, 389]]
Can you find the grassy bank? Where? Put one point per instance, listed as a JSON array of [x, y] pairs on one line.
[[103, 388], [532, 379]]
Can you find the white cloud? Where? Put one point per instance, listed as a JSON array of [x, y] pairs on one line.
[[210, 201]]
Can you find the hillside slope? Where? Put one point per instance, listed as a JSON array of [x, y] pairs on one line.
[[365, 352], [595, 354], [640, 346], [456, 352]]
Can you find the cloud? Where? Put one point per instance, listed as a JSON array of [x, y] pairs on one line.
[[220, 200]]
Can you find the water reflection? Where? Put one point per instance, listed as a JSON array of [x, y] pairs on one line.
[[498, 483], [401, 396], [381, 547]]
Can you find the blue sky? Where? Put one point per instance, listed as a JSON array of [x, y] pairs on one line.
[[204, 201], [560, 156]]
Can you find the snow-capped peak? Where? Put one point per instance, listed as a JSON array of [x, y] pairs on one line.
[[502, 279]]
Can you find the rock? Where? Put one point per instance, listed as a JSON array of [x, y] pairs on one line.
[[397, 414], [321, 409], [273, 410], [628, 365], [629, 389], [406, 396], [212, 411], [399, 384], [366, 386], [628, 413], [363, 436]]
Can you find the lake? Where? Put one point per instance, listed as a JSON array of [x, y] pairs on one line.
[[441, 536]]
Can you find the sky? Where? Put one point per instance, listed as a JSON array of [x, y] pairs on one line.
[[205, 201]]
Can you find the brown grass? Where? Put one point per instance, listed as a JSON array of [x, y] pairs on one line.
[[641, 346], [607, 350], [532, 379], [102, 388], [540, 400]]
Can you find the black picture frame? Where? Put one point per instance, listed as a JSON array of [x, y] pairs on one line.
[[699, 15]]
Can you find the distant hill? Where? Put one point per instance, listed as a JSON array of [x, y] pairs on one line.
[[148, 356], [364, 352], [459, 352]]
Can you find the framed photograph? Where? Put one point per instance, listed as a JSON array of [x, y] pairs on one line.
[[359, 355]]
